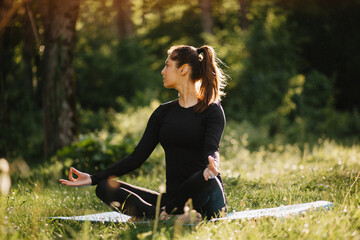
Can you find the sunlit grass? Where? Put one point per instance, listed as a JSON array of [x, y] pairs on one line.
[[268, 177]]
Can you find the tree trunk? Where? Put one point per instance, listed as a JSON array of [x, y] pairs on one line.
[[28, 53], [244, 8], [5, 7], [206, 15], [59, 99], [123, 18]]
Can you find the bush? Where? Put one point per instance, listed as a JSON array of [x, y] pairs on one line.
[[307, 112], [91, 153], [109, 69], [271, 60]]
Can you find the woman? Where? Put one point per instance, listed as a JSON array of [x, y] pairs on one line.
[[189, 129]]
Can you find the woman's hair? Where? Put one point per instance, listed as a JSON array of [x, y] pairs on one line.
[[204, 68]]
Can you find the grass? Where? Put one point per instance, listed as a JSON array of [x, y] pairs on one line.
[[268, 177]]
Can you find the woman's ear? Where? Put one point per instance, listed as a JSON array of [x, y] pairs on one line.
[[184, 69]]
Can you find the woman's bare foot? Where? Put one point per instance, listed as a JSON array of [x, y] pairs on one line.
[[191, 216], [164, 216], [188, 217]]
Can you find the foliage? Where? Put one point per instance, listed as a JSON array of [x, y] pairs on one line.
[[286, 41], [274, 87], [20, 110], [307, 111], [109, 69], [271, 60], [327, 30]]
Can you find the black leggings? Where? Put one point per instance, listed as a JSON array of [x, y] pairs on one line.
[[208, 197]]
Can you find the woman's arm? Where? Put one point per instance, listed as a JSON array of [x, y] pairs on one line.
[[142, 151], [215, 124]]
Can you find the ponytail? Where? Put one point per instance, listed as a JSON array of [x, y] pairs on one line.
[[203, 63], [212, 78]]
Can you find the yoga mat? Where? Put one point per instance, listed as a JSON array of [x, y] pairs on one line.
[[279, 212], [283, 211]]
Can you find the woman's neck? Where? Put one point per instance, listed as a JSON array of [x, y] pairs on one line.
[[188, 95]]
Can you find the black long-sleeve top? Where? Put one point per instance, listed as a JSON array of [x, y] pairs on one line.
[[187, 137]]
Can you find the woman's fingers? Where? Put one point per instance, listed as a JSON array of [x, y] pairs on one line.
[[212, 169], [66, 182], [71, 174], [213, 166], [75, 183], [74, 171], [77, 172], [206, 174]]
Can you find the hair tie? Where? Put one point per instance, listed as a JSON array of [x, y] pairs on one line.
[[201, 54]]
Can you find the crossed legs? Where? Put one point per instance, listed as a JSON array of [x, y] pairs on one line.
[[208, 197]]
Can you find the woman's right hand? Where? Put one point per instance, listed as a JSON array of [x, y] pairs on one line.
[[212, 169], [83, 179]]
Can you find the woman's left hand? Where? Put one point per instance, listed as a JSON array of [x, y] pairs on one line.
[[212, 169], [83, 179]]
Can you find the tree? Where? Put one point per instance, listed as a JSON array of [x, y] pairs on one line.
[[27, 54], [206, 15], [7, 9], [123, 18], [244, 8], [59, 99]]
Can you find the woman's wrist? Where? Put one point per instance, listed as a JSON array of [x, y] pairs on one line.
[[93, 180]]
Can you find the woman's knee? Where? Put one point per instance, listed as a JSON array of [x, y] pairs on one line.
[[102, 190], [110, 190]]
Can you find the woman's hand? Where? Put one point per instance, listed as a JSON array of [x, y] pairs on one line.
[[212, 169], [83, 179]]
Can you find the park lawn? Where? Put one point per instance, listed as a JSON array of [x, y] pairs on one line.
[[268, 177]]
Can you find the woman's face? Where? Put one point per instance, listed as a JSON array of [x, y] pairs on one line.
[[170, 74]]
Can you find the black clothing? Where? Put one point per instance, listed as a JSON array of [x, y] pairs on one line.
[[207, 197], [188, 138]]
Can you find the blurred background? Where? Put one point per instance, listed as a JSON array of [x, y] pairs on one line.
[[79, 78]]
